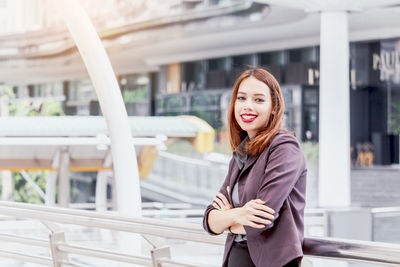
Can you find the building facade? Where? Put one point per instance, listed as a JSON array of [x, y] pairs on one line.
[[187, 64]]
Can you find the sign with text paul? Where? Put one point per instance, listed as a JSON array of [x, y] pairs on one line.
[[387, 61]]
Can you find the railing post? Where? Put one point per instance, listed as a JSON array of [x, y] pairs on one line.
[[159, 253], [58, 257], [56, 237]]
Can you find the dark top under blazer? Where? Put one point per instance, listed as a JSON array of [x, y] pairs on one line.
[[277, 176]]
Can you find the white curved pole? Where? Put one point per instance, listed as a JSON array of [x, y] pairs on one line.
[[108, 92]]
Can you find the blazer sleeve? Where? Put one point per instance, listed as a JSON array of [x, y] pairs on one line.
[[210, 207], [285, 164]]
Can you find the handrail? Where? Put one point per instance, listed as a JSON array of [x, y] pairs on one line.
[[26, 257], [104, 254], [353, 250], [328, 248], [386, 211], [91, 214], [111, 223]]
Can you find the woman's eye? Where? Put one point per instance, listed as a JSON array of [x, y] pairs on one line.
[[260, 100], [240, 98]]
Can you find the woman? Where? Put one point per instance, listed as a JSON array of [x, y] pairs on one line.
[[261, 203]]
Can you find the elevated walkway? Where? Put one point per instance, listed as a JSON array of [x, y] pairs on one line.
[[32, 143]]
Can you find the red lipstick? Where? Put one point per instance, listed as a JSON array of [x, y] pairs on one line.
[[248, 118]]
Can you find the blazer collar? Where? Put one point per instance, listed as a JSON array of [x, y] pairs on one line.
[[250, 161], [236, 172]]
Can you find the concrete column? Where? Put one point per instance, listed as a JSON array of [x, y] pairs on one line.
[[101, 184], [6, 178], [64, 180], [6, 186], [334, 116], [51, 181]]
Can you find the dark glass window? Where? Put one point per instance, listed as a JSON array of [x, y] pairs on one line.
[[271, 58], [216, 64], [216, 77], [308, 54], [242, 61], [193, 76]]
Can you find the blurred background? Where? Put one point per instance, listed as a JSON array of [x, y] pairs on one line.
[[182, 57]]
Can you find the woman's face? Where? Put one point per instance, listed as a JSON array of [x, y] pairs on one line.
[[252, 105]]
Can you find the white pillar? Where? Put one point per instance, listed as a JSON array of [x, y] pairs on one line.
[[101, 184], [6, 177], [334, 116], [51, 182], [64, 180], [108, 92], [6, 186]]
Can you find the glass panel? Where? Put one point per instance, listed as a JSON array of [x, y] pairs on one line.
[[217, 64], [193, 76], [135, 88], [311, 97], [310, 123], [82, 91], [242, 61], [307, 54], [271, 58], [395, 111]]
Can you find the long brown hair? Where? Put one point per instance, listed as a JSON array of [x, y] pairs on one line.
[[265, 136]]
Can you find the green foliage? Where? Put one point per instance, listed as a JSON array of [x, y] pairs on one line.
[[7, 90], [23, 191], [396, 118], [132, 96], [28, 108]]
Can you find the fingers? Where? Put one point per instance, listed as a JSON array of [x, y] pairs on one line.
[[215, 205], [218, 202], [259, 220], [264, 215], [223, 198], [259, 204], [255, 225]]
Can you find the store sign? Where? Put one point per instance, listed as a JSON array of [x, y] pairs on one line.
[[388, 62]]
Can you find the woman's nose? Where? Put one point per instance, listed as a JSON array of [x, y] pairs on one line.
[[248, 105]]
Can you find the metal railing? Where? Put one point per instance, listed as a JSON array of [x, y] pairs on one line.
[[385, 221], [327, 248]]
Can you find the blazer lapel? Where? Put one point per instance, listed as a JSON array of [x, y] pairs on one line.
[[250, 161], [233, 178]]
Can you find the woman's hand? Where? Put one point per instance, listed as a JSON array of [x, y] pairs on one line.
[[237, 229], [221, 203], [255, 214]]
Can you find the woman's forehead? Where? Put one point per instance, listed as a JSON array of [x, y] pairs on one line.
[[253, 86]]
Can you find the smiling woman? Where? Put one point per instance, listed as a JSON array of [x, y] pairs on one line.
[[261, 203]]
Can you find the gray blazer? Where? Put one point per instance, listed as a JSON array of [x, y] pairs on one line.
[[277, 176]]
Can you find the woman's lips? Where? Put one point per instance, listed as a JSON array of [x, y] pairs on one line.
[[247, 118]]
